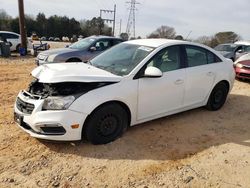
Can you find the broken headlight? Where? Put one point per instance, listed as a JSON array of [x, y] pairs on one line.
[[58, 103]]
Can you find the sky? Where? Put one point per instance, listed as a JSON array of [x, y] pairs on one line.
[[189, 17]]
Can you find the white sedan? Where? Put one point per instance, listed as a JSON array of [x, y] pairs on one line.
[[131, 83], [14, 39]]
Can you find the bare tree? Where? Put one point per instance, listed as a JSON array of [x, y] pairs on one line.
[[204, 40], [163, 32]]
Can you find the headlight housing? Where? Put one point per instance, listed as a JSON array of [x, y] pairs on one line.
[[239, 65], [58, 103], [51, 58]]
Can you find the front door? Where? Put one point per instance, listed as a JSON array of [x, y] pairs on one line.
[[158, 96]]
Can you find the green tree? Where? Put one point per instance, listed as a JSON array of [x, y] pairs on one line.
[[227, 37], [42, 23], [5, 20]]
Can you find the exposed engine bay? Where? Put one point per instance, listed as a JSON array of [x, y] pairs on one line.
[[45, 90]]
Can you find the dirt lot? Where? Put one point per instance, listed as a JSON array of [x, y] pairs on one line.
[[197, 148]]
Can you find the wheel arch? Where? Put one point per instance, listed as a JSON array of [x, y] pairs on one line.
[[221, 81], [225, 82]]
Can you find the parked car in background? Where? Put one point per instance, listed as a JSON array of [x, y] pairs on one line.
[[243, 42], [80, 37], [229, 50], [244, 51], [51, 38], [34, 36], [245, 57], [242, 69], [65, 39], [43, 39], [80, 51], [131, 83], [57, 39], [14, 39]]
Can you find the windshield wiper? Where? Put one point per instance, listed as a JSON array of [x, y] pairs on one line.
[[88, 62]]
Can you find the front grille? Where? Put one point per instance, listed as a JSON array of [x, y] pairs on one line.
[[245, 75], [24, 107], [53, 130], [246, 67], [41, 57]]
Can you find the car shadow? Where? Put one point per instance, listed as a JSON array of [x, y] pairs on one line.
[[175, 137]]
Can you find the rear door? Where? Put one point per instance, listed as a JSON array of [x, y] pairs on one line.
[[201, 73]]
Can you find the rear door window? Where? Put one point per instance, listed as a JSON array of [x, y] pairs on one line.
[[11, 36], [197, 56]]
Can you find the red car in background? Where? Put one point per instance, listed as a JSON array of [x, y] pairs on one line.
[[242, 69]]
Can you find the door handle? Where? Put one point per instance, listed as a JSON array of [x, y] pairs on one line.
[[179, 81], [210, 74]]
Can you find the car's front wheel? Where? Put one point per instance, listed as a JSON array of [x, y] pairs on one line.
[[217, 97], [106, 124]]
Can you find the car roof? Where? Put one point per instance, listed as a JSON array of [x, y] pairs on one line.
[[10, 32], [231, 44], [246, 42], [103, 37], [157, 42]]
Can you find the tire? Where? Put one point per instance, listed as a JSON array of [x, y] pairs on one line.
[[106, 124], [17, 47], [217, 97]]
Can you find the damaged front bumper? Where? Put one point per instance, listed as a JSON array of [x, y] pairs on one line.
[[47, 124]]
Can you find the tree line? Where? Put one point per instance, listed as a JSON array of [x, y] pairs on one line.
[[59, 26], [55, 26], [212, 41]]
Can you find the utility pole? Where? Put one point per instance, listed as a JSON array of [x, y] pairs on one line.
[[109, 20], [22, 27], [120, 30], [131, 17]]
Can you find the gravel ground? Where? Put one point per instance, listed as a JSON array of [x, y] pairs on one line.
[[197, 148]]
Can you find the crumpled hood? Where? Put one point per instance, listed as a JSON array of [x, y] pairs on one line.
[[72, 72]]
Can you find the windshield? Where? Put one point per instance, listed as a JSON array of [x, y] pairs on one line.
[[247, 49], [121, 59], [84, 43], [226, 48]]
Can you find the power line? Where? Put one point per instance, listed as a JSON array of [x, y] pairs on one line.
[[131, 17], [109, 20]]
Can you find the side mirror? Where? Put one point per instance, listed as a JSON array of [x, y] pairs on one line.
[[240, 51], [152, 72], [92, 49]]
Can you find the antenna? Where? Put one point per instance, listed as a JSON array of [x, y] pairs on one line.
[[131, 17]]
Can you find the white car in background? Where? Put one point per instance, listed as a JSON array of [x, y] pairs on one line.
[[14, 39], [133, 82]]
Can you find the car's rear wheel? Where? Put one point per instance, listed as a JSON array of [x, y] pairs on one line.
[[217, 97], [106, 124]]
